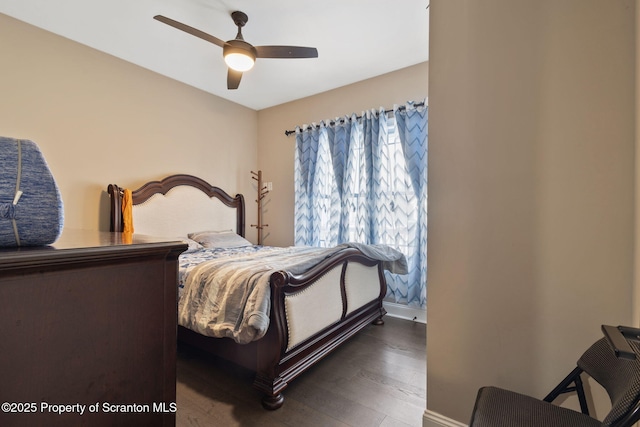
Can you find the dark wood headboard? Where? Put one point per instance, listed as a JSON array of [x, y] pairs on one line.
[[174, 183]]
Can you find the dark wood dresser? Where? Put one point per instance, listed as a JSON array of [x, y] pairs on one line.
[[88, 332]]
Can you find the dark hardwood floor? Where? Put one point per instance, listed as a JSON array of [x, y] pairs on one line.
[[378, 378]]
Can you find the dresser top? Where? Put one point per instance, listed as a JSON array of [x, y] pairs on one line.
[[86, 245]]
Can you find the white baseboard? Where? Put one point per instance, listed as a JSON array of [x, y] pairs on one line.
[[434, 419], [405, 312]]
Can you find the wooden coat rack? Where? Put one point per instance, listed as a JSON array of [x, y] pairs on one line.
[[262, 192]]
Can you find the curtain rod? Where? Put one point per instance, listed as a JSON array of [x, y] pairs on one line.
[[332, 122]]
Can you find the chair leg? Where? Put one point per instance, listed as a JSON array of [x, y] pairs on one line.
[[571, 383], [581, 397]]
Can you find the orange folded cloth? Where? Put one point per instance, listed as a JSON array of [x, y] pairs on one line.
[[127, 212]]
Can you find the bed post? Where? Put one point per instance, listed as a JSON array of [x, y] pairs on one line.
[[383, 292], [115, 196], [270, 348]]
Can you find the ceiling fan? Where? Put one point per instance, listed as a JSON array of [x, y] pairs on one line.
[[238, 54]]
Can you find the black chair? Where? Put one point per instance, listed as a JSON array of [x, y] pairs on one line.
[[612, 361]]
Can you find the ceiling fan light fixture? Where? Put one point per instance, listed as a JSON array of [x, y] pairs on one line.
[[239, 57], [239, 61]]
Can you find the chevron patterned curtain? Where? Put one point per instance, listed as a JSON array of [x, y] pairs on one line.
[[365, 180], [412, 129]]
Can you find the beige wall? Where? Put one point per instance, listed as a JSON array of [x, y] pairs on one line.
[[100, 120], [531, 190], [276, 151]]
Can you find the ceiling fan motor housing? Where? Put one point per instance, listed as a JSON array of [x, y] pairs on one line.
[[239, 46], [239, 55]]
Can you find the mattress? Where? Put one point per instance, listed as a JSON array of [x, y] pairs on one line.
[[31, 209]]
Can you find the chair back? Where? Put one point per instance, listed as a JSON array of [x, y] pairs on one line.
[[620, 378]]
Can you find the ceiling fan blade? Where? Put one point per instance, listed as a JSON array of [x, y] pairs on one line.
[[286, 52], [233, 78], [190, 30]]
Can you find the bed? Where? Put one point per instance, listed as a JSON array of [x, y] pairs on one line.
[[309, 313]]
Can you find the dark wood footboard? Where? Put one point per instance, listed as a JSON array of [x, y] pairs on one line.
[[280, 364]]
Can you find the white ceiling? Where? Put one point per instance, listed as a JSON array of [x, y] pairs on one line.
[[356, 39]]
